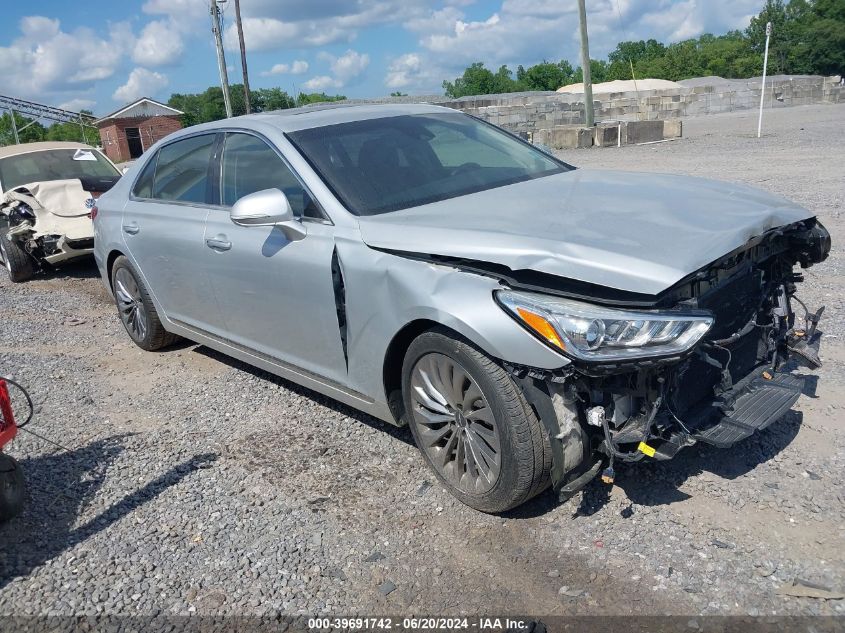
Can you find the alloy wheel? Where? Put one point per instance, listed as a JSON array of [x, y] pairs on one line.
[[130, 304], [455, 424]]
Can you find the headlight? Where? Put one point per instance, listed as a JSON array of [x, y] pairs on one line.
[[590, 332]]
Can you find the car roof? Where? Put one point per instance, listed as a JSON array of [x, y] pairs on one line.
[[26, 148], [321, 115]]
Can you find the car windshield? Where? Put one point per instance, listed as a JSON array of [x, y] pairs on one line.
[[54, 164], [386, 164]]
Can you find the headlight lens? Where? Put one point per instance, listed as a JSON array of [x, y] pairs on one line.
[[590, 332]]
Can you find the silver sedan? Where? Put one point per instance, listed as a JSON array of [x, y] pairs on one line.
[[533, 323]]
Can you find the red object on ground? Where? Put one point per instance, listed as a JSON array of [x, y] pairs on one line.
[[8, 428]]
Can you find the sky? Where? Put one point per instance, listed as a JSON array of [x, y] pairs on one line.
[[102, 54]]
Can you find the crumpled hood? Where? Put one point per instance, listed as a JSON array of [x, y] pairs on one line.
[[61, 207], [64, 198], [631, 231]]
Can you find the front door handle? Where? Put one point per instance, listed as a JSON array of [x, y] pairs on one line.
[[218, 245], [131, 229]]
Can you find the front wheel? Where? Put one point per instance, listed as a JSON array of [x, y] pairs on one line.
[[17, 261], [472, 424]]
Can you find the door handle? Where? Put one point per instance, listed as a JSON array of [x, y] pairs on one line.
[[218, 245], [131, 229]]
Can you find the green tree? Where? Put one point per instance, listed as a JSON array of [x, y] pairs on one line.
[[478, 80], [317, 97], [33, 133], [598, 72], [545, 76]]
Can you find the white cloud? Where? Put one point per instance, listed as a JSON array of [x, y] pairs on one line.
[[346, 69], [320, 83], [349, 65], [160, 44], [297, 67], [75, 105], [264, 34], [48, 64], [404, 71], [141, 83]]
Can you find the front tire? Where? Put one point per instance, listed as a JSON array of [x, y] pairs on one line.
[[472, 423], [137, 311], [17, 261]]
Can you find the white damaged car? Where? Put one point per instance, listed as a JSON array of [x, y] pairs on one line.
[[48, 191]]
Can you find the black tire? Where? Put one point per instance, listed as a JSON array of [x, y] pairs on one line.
[[17, 261], [12, 488], [152, 336], [525, 454]]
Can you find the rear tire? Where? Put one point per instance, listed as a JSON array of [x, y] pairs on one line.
[[136, 309], [12, 488], [461, 405], [17, 261]]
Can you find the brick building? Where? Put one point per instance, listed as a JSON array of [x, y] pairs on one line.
[[127, 133]]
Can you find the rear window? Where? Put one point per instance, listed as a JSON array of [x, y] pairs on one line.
[[56, 164], [386, 164]]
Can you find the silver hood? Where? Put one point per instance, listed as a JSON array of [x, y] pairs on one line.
[[630, 231]]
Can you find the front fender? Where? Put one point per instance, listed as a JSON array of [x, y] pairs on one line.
[[386, 292]]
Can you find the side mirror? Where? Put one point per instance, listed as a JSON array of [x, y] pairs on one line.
[[124, 170], [269, 207]]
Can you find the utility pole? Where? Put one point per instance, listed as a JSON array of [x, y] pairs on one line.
[[243, 54], [763, 87], [221, 57], [585, 66]]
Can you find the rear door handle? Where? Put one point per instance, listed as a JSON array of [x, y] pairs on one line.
[[218, 245], [132, 229]]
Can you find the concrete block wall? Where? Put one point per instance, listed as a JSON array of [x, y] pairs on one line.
[[530, 112]]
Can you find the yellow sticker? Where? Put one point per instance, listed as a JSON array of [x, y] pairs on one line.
[[645, 448]]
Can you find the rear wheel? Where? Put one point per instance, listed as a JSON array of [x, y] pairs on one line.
[[17, 261], [137, 312], [472, 423]]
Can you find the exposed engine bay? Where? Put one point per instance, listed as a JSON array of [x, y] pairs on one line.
[[738, 379]]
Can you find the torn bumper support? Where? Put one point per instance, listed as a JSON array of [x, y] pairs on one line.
[[579, 450]]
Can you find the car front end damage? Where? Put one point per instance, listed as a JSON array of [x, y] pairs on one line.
[[51, 221], [712, 359]]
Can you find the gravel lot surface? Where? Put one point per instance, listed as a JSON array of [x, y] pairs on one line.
[[191, 483]]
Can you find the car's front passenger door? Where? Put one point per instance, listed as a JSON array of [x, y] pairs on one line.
[[276, 295]]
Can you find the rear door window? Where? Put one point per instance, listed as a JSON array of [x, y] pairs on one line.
[[182, 169]]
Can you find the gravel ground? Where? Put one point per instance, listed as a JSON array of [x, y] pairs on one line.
[[191, 483]]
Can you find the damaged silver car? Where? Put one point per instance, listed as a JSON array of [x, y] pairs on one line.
[[533, 323], [47, 191]]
